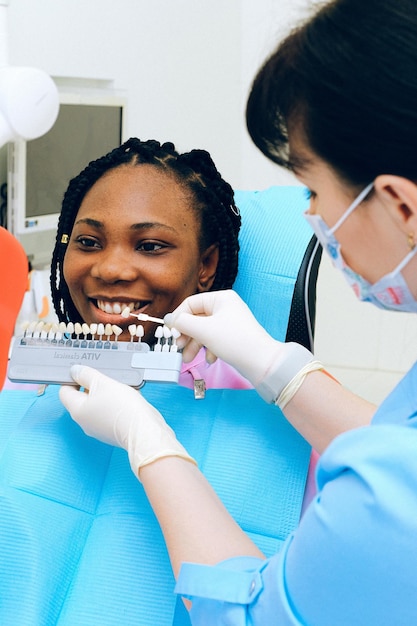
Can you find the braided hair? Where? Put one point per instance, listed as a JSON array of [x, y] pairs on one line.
[[213, 199]]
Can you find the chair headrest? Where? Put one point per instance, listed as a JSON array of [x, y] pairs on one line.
[[273, 240]]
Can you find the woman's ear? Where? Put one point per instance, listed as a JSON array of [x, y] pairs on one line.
[[208, 268], [399, 196]]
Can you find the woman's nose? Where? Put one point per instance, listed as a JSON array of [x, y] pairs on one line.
[[113, 266]]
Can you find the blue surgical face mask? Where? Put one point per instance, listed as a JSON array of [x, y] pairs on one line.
[[389, 292]]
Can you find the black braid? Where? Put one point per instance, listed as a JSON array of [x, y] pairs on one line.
[[195, 170]]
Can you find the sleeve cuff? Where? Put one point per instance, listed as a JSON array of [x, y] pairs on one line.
[[237, 580], [238, 588]]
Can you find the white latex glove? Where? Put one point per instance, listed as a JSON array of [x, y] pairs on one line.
[[224, 324], [119, 415]]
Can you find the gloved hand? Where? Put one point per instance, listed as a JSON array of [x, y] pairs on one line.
[[119, 415], [224, 324]]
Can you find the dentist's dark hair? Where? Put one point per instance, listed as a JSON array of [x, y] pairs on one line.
[[213, 201], [345, 83]]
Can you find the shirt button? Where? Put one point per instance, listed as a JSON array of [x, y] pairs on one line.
[[252, 587]]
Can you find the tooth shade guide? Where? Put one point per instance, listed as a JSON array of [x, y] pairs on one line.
[[46, 360], [159, 333], [54, 333], [24, 326], [64, 333], [46, 336], [142, 317], [117, 331], [45, 330]]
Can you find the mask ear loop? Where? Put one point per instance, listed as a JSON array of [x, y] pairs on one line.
[[352, 207], [408, 258]]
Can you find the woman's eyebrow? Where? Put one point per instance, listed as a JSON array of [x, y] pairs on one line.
[[90, 222], [139, 226], [150, 225]]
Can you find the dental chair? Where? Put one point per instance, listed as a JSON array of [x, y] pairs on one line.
[[78, 539]]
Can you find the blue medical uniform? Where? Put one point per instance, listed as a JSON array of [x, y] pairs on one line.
[[352, 560]]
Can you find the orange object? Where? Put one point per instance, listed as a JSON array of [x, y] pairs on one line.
[[13, 284]]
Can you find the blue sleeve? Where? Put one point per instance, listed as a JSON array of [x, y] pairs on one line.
[[237, 592], [352, 559]]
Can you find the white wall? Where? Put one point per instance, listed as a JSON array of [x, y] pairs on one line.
[[185, 67], [176, 61]]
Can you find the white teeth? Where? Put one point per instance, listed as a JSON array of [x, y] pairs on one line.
[[116, 308]]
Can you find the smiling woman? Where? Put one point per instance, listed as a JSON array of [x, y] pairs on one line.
[[135, 243], [143, 227]]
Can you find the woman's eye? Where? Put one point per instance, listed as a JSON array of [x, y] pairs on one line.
[[150, 246], [310, 195], [87, 242]]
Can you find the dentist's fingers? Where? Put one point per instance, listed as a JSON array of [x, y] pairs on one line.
[[190, 349], [83, 375], [71, 398], [199, 305]]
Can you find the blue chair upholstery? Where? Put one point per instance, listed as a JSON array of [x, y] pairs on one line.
[[79, 543], [279, 261]]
